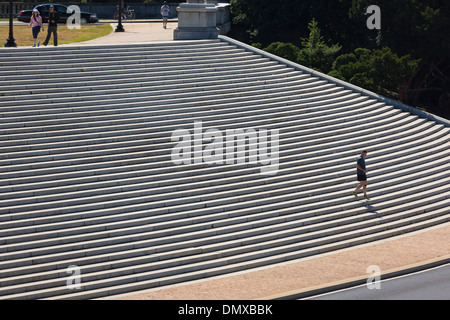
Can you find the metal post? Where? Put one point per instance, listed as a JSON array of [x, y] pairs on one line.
[[119, 25], [11, 42]]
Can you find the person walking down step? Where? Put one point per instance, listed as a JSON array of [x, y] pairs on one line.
[[165, 13], [361, 175], [36, 24], [53, 18]]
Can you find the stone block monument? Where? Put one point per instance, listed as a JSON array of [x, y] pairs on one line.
[[202, 19]]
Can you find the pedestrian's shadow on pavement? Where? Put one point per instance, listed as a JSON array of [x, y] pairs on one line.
[[372, 209]]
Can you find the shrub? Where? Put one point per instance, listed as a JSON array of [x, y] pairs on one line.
[[285, 50], [375, 70]]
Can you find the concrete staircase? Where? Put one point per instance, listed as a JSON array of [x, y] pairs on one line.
[[87, 178]]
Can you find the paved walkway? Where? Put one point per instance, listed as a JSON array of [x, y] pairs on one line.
[[136, 32], [397, 253]]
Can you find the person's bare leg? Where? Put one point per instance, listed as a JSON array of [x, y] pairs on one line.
[[365, 190]]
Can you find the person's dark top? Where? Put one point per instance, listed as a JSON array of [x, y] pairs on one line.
[[362, 163], [53, 16]]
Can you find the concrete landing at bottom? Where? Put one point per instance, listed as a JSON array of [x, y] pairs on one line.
[[277, 281]]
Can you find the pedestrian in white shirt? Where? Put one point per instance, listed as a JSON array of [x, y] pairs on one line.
[[165, 13]]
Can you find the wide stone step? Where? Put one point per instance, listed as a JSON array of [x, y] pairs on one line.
[[129, 283], [143, 65], [142, 224], [307, 103], [153, 85], [177, 171], [415, 144], [50, 61], [308, 86], [284, 226], [66, 216], [44, 146], [89, 180], [126, 121], [164, 161], [306, 195], [59, 53], [136, 78], [286, 152], [387, 190]]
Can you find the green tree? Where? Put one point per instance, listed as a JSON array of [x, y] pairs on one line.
[[267, 21], [416, 28], [315, 53], [379, 70], [285, 50]]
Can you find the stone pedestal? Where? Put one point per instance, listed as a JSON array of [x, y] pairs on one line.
[[223, 18], [196, 21]]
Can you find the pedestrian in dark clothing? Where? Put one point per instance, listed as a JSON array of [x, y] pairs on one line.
[[53, 18], [361, 175]]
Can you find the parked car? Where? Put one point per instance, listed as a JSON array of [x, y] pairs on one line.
[[44, 10]]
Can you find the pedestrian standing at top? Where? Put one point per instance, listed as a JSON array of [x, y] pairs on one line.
[[361, 175], [53, 18], [36, 24], [165, 13], [122, 9]]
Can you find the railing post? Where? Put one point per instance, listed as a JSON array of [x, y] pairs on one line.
[[11, 42]]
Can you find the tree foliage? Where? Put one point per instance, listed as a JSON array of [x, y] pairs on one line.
[[315, 52], [413, 33], [285, 50], [267, 21], [378, 69]]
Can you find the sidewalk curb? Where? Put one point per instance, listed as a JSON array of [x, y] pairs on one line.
[[356, 281]]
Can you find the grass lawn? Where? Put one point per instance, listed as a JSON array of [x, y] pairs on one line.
[[24, 37]]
